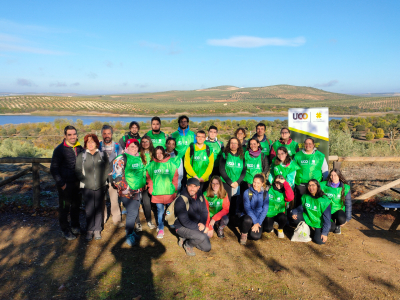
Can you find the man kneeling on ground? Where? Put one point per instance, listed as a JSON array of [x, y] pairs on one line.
[[190, 223]]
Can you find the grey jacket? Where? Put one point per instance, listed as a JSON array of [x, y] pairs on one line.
[[95, 170]]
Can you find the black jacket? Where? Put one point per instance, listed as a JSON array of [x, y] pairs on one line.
[[197, 213], [62, 166], [96, 169], [127, 136]]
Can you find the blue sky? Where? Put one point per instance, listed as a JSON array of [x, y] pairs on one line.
[[144, 46]]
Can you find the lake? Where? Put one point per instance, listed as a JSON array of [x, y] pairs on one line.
[[18, 119]]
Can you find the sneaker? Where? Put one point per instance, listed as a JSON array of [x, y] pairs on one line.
[[181, 241], [272, 230], [281, 235], [160, 234], [89, 236], [220, 233], [67, 234], [338, 230], [172, 226], [119, 224], [130, 240], [189, 250], [151, 225], [76, 230], [124, 212], [138, 227], [97, 235], [243, 239]]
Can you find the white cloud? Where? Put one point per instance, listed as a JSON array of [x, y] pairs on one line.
[[254, 42], [327, 84]]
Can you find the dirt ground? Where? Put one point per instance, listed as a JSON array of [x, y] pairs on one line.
[[36, 263]]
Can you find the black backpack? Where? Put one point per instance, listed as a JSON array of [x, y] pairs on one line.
[[192, 150]]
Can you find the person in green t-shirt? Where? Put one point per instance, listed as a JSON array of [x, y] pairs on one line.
[[216, 146], [338, 191], [265, 142], [313, 165], [158, 137], [283, 165], [280, 194], [285, 141], [183, 136], [133, 133], [315, 210]]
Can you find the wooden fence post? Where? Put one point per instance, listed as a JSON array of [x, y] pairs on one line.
[[36, 184]]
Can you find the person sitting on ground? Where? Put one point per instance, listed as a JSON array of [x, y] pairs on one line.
[[255, 203], [240, 134], [279, 194], [285, 141], [133, 133], [265, 143], [338, 191], [112, 149], [129, 177], [218, 207], [315, 210], [232, 167], [171, 145], [92, 169], [162, 181], [283, 165], [313, 165], [199, 159], [62, 169], [191, 223], [158, 137]]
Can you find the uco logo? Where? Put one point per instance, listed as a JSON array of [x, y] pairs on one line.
[[330, 195], [157, 171], [304, 161], [300, 116], [250, 165], [135, 165], [231, 163]]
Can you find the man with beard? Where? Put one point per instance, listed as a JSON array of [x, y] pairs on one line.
[[133, 133], [113, 150], [158, 137]]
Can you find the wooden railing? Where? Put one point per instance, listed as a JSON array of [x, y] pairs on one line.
[[36, 167]]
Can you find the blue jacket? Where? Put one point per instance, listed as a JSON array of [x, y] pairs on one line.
[[187, 129], [257, 208]]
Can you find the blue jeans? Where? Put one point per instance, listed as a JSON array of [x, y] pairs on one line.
[[132, 209], [160, 215]]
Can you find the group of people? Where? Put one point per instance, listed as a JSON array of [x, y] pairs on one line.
[[197, 184]]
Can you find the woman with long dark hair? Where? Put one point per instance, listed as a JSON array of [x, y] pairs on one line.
[[338, 191], [283, 165], [315, 211]]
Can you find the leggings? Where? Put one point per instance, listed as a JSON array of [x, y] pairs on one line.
[[339, 217], [246, 222], [94, 208], [280, 218], [299, 191], [146, 201]]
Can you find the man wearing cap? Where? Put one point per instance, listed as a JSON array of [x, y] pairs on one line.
[[190, 223], [133, 133]]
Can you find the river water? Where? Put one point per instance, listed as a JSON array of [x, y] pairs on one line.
[[18, 119]]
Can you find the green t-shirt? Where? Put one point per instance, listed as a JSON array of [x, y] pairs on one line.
[[216, 148], [266, 146], [335, 195], [276, 203], [310, 166], [286, 172], [135, 172], [291, 148], [215, 204], [233, 167], [314, 209], [254, 166], [183, 141], [199, 161], [162, 174], [157, 139]]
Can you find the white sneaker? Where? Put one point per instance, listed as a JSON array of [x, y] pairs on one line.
[[281, 235]]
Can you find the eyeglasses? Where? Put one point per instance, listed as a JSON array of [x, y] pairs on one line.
[[284, 132], [215, 183]]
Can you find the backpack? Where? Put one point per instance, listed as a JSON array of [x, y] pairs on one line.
[[264, 195], [192, 150], [170, 213]]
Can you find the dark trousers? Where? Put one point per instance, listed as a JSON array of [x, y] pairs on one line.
[[299, 191], [280, 218], [339, 217], [69, 203], [94, 208], [246, 222], [132, 211], [244, 186], [146, 201], [314, 232], [195, 238]]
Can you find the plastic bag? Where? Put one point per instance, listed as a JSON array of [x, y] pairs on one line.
[[301, 233]]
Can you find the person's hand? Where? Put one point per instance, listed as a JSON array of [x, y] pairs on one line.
[[206, 230], [64, 187], [294, 217], [255, 228], [210, 233], [324, 238], [212, 222], [234, 185], [282, 180], [201, 179], [201, 226], [343, 224], [197, 177]]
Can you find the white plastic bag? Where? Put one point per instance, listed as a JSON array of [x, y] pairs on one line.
[[301, 233]]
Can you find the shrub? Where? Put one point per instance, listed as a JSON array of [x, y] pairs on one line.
[[14, 148], [360, 128], [379, 133], [369, 136]]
